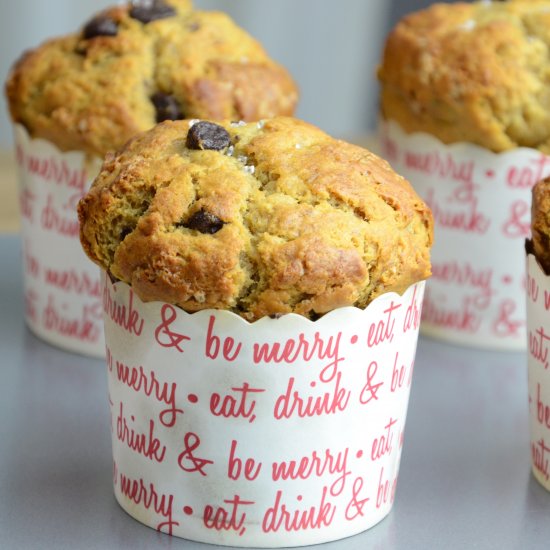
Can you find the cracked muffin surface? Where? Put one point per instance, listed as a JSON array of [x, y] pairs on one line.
[[260, 219], [540, 223], [134, 65], [475, 72]]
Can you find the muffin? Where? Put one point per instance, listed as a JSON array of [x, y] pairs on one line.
[[540, 224], [465, 116], [259, 219], [264, 283], [471, 72], [77, 97], [137, 64]]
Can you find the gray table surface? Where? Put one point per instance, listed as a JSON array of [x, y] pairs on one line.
[[464, 483]]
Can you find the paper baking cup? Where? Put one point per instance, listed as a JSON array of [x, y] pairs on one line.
[[62, 288], [283, 432], [538, 340], [481, 205]]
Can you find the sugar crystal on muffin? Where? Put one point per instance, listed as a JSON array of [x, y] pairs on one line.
[[303, 230]]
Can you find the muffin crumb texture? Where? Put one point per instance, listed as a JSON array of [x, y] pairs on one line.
[[473, 72], [260, 219], [541, 224], [137, 64]]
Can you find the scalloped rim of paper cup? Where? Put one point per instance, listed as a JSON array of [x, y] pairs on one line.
[[91, 162], [297, 436], [296, 317], [533, 256], [487, 339], [31, 231], [458, 145]]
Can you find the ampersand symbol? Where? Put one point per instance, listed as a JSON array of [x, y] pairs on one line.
[[505, 325], [95, 310], [166, 337], [356, 505], [187, 461], [370, 390], [516, 226], [465, 192]]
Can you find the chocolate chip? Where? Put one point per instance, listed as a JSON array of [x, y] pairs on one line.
[[147, 11], [193, 27], [205, 222], [276, 315], [167, 106], [206, 135], [125, 232], [100, 26]]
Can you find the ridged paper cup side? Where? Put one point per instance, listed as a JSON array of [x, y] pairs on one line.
[[62, 288], [283, 432], [481, 205], [538, 359]]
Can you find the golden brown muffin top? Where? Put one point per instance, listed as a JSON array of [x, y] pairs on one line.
[[134, 65], [541, 223], [260, 219], [476, 72]]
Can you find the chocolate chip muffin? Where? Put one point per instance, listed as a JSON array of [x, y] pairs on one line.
[[474, 72], [141, 63], [260, 219], [541, 224]]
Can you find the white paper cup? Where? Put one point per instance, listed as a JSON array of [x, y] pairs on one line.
[[481, 205], [283, 432], [62, 288], [538, 341]]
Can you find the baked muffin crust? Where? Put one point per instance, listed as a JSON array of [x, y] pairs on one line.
[[541, 223], [283, 219], [474, 72], [94, 90]]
